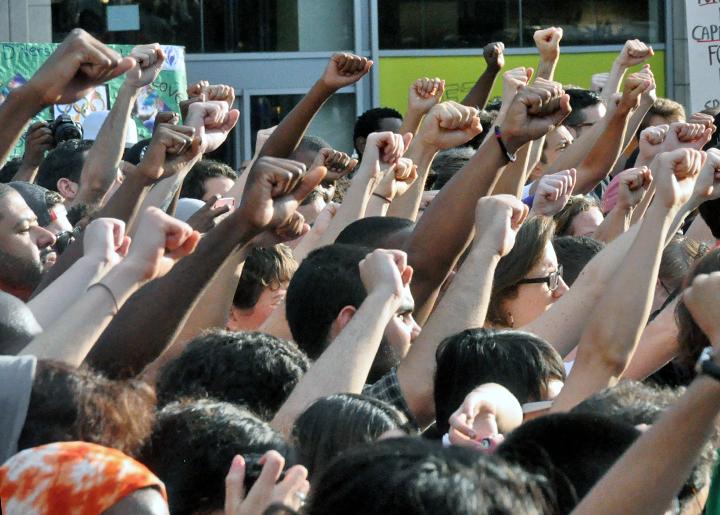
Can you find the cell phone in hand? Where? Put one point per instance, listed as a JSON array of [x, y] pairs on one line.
[[253, 468], [226, 201]]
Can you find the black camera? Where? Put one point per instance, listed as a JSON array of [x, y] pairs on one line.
[[64, 128]]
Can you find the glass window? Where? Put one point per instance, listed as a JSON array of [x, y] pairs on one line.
[[334, 123], [425, 24], [216, 25]]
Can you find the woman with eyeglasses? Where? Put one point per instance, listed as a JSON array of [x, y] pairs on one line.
[[528, 280]]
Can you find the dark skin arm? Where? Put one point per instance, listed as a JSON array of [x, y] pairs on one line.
[[343, 70], [480, 92]]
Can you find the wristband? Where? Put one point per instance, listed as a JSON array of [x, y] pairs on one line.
[[387, 200], [498, 136]]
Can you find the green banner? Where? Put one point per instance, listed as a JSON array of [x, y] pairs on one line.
[[19, 61]]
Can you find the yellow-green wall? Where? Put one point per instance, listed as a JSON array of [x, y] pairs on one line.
[[460, 73]]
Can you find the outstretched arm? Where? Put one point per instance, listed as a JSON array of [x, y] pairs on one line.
[[633, 53], [480, 92], [423, 95], [346, 363], [465, 304]]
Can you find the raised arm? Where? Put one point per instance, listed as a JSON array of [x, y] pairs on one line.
[[80, 63], [609, 340], [632, 188], [547, 42], [342, 70], [447, 225], [152, 317], [346, 363], [480, 92], [423, 95], [465, 304], [633, 53], [161, 241], [100, 168], [553, 193], [653, 470], [39, 139]]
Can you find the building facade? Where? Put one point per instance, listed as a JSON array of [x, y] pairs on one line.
[[272, 51]]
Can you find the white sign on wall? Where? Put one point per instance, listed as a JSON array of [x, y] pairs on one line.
[[703, 29]]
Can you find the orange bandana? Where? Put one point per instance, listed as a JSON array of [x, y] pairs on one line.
[[66, 478]]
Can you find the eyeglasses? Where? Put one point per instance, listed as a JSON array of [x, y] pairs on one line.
[[552, 279]]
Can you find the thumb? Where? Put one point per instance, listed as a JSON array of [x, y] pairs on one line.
[[211, 202], [309, 182], [407, 138]]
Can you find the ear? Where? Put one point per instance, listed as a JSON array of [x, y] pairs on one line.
[[346, 314], [67, 188], [360, 144]]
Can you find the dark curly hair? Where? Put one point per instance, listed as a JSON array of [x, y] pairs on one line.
[[194, 184], [253, 369], [68, 404], [369, 122], [63, 162]]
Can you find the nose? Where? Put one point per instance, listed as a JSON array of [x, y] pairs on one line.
[[561, 289], [415, 331], [43, 237]]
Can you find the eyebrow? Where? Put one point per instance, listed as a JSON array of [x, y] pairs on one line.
[[405, 307], [28, 219]]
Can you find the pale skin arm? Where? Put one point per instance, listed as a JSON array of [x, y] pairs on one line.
[[634, 52], [346, 363], [464, 304], [408, 204]]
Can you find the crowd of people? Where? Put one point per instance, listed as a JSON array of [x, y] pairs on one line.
[[500, 306]]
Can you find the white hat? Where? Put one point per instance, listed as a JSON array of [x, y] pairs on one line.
[[186, 207], [93, 121]]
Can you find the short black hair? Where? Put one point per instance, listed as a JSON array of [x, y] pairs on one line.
[[449, 162], [579, 100], [193, 444], [310, 143], [334, 424], [572, 450], [415, 476], [573, 253], [134, 154], [63, 162], [710, 213], [264, 267], [369, 122], [324, 283], [521, 362], [372, 231], [8, 171], [194, 184], [256, 370]]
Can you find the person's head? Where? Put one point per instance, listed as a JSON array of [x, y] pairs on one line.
[[663, 111], [677, 260], [416, 477], [262, 286], [256, 370], [691, 338], [521, 362], [206, 179], [193, 444], [83, 478], [580, 217], [641, 405], [710, 213], [8, 171], [379, 119], [447, 163], [519, 293], [60, 170], [48, 206], [572, 450], [573, 253], [556, 141], [587, 109], [307, 150], [377, 232], [23, 245], [324, 295], [334, 424], [68, 404], [17, 324]]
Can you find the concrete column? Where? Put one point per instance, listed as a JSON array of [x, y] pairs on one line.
[[25, 21]]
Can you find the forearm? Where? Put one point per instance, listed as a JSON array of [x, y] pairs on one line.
[[600, 160], [480, 92], [345, 364], [515, 175], [447, 225], [616, 222], [411, 122], [66, 290], [152, 317], [377, 207], [574, 154], [70, 337], [641, 208], [648, 476], [605, 348], [17, 109], [26, 173], [646, 102], [285, 138], [615, 77], [546, 68], [408, 205], [353, 206], [658, 345], [464, 306], [100, 168]]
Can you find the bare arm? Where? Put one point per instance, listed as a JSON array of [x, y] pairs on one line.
[[630, 195], [480, 92], [634, 52], [346, 363], [423, 95]]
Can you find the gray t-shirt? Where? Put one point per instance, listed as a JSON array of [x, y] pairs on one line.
[[16, 379]]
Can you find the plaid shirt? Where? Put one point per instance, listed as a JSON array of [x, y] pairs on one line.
[[387, 389]]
